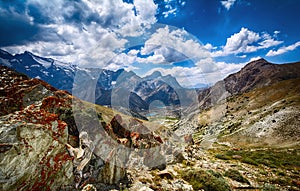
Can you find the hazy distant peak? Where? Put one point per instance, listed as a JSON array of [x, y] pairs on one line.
[[154, 75]]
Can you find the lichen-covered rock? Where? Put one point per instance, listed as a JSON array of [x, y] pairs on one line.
[[38, 154], [33, 154]]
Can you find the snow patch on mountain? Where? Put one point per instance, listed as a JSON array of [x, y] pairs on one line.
[[43, 62], [5, 62]]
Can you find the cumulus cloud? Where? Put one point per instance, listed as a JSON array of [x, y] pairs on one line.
[[165, 46], [169, 45], [86, 32], [240, 42], [246, 41], [209, 46], [283, 49], [268, 41], [146, 10], [228, 4], [175, 45], [92, 47]]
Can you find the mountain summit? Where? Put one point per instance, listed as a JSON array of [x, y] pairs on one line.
[[260, 73]]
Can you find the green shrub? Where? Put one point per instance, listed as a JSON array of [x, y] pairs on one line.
[[206, 180], [269, 187], [236, 175], [223, 156], [249, 161]]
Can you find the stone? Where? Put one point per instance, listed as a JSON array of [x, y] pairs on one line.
[[181, 185], [37, 156], [89, 187]]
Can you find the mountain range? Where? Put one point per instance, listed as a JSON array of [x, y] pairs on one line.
[[123, 90]]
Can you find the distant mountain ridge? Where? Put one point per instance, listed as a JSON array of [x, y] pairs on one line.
[[260, 73], [256, 74], [99, 85]]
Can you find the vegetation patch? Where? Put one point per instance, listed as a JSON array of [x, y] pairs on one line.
[[206, 180], [274, 158], [223, 156], [236, 175]]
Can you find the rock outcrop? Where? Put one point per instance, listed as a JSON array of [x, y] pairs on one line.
[[32, 139]]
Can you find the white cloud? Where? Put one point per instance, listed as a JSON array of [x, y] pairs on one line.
[[171, 7], [276, 33], [242, 56], [240, 41], [228, 3], [268, 41], [254, 58], [93, 47], [167, 45], [209, 46], [88, 32], [246, 41], [146, 9], [169, 12], [283, 49], [174, 45], [154, 59], [124, 60]]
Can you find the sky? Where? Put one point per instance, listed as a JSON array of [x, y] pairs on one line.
[[197, 41]]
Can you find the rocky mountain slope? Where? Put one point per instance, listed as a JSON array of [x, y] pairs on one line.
[[33, 138], [261, 99], [255, 75], [259, 74]]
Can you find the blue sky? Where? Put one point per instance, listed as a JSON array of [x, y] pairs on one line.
[[197, 41]]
